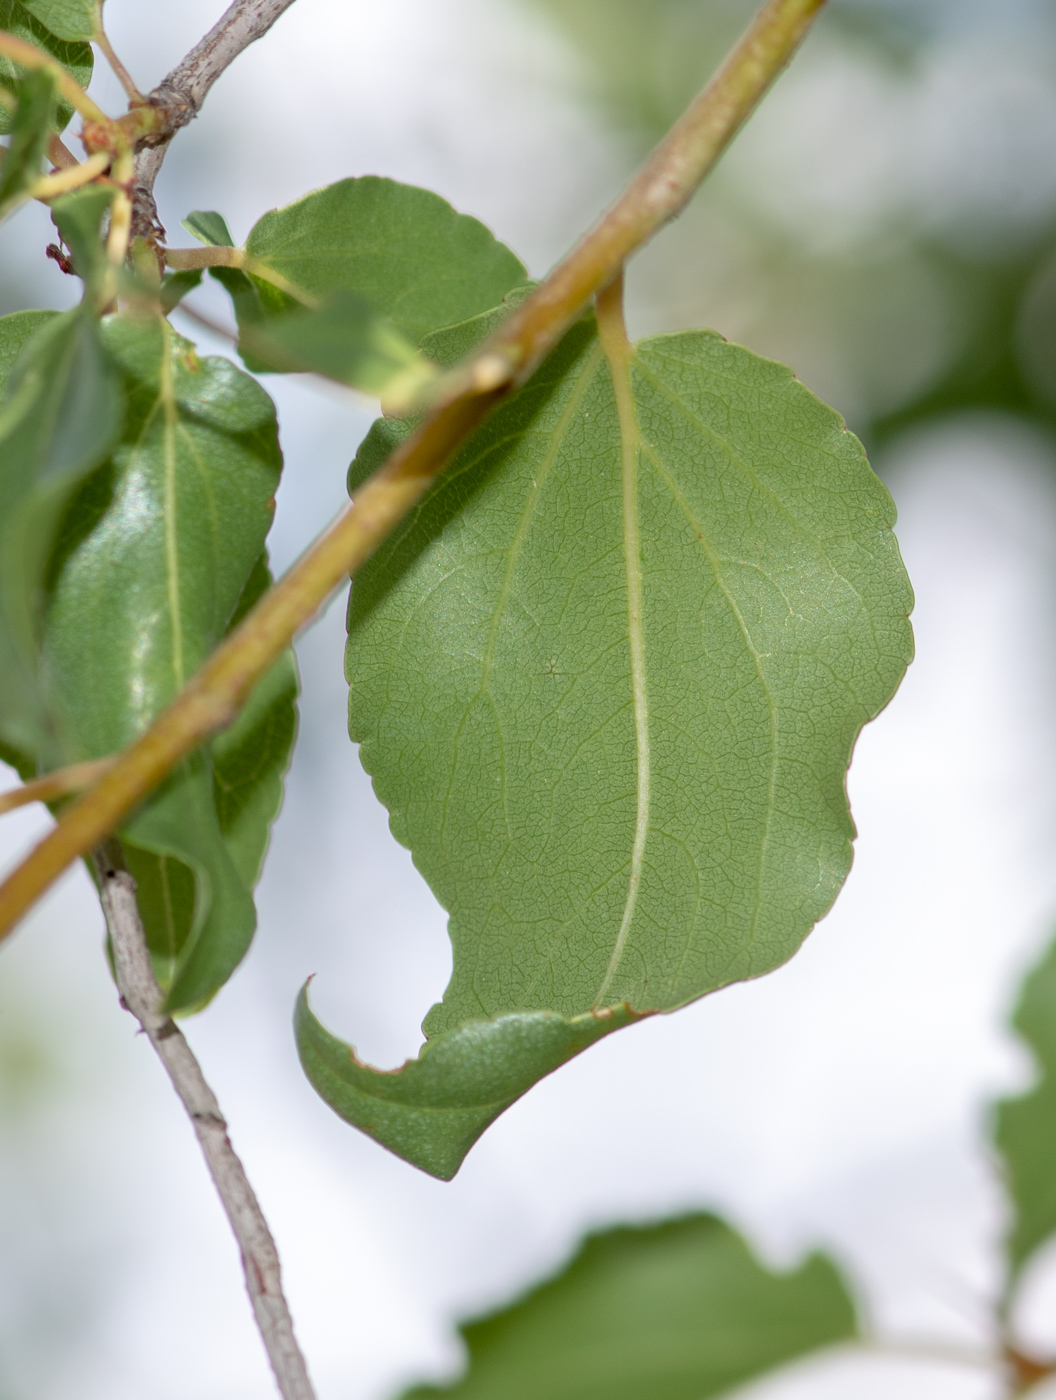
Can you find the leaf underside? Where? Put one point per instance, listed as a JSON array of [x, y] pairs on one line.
[[622, 806], [1025, 1127], [677, 1311], [75, 57]]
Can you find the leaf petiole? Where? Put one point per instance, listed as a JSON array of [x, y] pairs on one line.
[[70, 178]]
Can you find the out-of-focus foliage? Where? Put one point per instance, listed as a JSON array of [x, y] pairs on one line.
[[676, 1311], [887, 222], [75, 56]]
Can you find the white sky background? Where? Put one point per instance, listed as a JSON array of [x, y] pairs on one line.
[[837, 1101]]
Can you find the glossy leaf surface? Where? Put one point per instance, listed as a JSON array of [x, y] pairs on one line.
[[610, 696], [76, 58], [20, 167], [67, 19], [157, 559], [1025, 1127], [62, 414], [678, 1311], [413, 257]]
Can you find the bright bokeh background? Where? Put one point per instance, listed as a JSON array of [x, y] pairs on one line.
[[885, 225]]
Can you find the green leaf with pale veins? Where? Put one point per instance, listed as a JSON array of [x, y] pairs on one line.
[[677, 1311], [75, 57], [61, 416], [414, 258], [1025, 1127], [20, 167], [67, 19], [610, 696], [161, 551]]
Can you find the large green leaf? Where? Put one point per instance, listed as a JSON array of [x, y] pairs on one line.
[[67, 19], [61, 416], [1025, 1127], [22, 159], [76, 58], [161, 551], [404, 249], [609, 696], [678, 1311]]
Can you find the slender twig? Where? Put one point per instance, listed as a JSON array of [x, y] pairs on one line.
[[179, 96], [124, 77], [60, 155], [62, 783], [214, 696], [142, 996]]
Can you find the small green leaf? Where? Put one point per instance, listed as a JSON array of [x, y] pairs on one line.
[[209, 228], [608, 689], [404, 249], [76, 58], [157, 558], [21, 165], [677, 1311], [62, 414], [176, 285], [345, 340], [1025, 1127], [67, 19]]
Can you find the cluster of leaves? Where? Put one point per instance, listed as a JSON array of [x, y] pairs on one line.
[[683, 1311], [607, 678]]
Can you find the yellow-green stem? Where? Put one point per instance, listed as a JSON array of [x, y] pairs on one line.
[[71, 178], [62, 783], [213, 697]]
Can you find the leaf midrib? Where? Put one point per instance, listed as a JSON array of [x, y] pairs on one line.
[[619, 353]]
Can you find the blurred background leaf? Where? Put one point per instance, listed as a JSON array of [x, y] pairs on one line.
[[677, 1311]]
